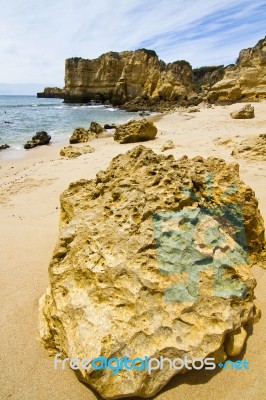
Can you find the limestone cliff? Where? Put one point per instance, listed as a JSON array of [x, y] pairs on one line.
[[121, 77], [139, 79], [246, 80]]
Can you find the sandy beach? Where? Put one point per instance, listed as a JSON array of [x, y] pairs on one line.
[[29, 197]]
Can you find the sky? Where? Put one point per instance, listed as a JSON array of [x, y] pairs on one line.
[[36, 36]]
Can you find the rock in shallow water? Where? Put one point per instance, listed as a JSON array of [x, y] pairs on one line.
[[108, 126], [4, 146], [39, 139], [151, 261]]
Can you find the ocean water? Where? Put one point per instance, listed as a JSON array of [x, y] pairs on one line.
[[22, 116]]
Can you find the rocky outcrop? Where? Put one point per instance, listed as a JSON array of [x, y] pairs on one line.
[[108, 126], [193, 109], [39, 139], [135, 131], [4, 146], [144, 114], [246, 112], [74, 152], [151, 261], [224, 141], [96, 128], [246, 80], [205, 77], [52, 92], [151, 104], [253, 148], [169, 144], [82, 135], [121, 77]]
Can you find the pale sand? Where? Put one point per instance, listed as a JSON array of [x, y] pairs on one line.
[[29, 198]]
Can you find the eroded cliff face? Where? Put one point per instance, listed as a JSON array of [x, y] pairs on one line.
[[246, 80], [205, 77], [121, 77], [139, 80]]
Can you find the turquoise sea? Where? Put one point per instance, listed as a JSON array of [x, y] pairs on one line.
[[22, 116]]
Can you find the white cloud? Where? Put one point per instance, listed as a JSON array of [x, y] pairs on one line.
[[37, 36]]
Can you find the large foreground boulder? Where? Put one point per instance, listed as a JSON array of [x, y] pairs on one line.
[[39, 139], [152, 260], [246, 112], [135, 131]]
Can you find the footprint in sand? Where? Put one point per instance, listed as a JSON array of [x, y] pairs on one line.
[[22, 186]]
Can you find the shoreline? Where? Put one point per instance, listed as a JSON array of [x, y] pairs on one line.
[[22, 116], [29, 197], [18, 154]]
